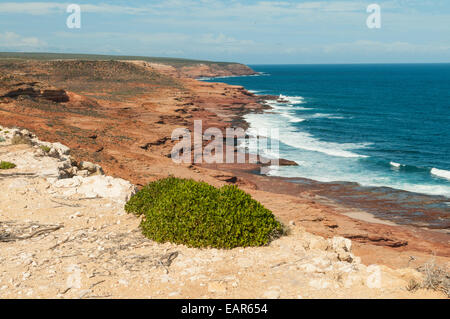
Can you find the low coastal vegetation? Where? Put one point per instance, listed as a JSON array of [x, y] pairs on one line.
[[197, 214], [7, 165], [436, 278], [45, 148], [19, 139]]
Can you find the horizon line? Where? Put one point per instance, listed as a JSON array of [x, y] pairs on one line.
[[213, 61]]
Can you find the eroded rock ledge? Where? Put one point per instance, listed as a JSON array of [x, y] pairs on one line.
[[15, 87]]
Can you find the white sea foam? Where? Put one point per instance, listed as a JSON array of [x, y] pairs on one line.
[[292, 118], [206, 78], [417, 188], [364, 179], [284, 106], [325, 115], [318, 167], [290, 135], [396, 165], [441, 173], [307, 142], [292, 99]]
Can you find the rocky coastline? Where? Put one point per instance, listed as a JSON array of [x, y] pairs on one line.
[[118, 120], [66, 235]]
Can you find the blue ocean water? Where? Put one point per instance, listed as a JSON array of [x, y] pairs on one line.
[[377, 125]]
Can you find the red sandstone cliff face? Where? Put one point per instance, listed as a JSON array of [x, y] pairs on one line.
[[15, 87], [196, 71], [215, 70]]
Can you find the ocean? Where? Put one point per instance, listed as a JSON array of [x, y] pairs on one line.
[[383, 125]]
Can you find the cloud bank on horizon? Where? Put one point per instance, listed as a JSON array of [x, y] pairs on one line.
[[247, 31]]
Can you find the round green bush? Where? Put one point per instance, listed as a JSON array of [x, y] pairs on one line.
[[197, 214]]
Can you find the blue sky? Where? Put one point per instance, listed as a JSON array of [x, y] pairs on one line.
[[251, 32]]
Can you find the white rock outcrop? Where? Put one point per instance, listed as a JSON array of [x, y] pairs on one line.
[[67, 178], [116, 189]]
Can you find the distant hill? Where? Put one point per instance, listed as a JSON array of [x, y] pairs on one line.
[[177, 62]]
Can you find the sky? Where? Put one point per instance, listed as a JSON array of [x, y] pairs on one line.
[[251, 32]]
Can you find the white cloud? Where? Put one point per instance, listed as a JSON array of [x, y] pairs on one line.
[[14, 41], [45, 8], [204, 8], [165, 43], [34, 8], [233, 29], [107, 8], [222, 39]]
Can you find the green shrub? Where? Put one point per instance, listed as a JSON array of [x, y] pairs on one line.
[[6, 165], [2, 139], [46, 149], [197, 214]]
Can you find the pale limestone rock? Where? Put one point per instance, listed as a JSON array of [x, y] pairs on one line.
[[68, 182], [319, 283], [62, 149], [217, 286], [341, 243], [345, 256], [342, 246], [18, 183], [116, 189], [272, 294], [318, 243], [83, 173], [88, 166], [309, 268], [244, 262], [39, 152], [98, 170], [321, 261], [50, 172], [53, 153]]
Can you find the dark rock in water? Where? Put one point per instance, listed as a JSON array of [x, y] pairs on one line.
[[285, 162], [262, 98]]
